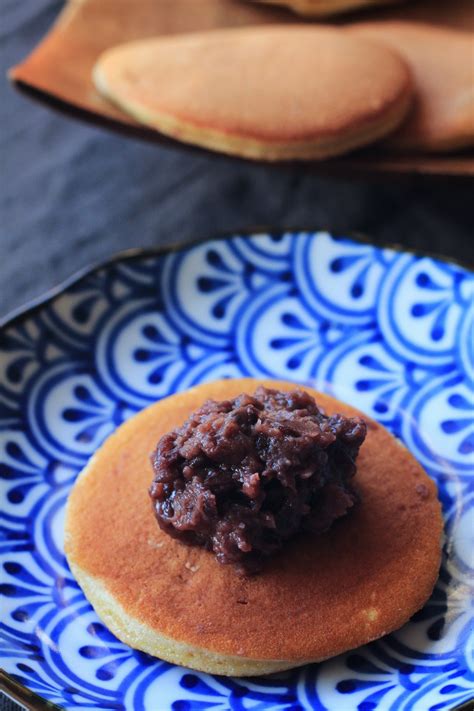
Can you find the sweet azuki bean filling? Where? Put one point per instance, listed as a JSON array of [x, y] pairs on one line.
[[242, 476]]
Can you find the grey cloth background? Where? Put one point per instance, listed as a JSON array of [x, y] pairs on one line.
[[73, 194]]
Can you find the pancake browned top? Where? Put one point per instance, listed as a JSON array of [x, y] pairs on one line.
[[260, 89], [319, 596]]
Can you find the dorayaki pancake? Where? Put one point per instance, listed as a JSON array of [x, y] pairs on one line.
[[269, 93], [325, 8], [442, 63], [320, 596]]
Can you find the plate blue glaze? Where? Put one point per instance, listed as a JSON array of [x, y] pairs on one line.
[[387, 331]]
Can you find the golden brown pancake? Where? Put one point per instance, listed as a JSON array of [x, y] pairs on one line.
[[320, 596], [442, 62], [325, 8], [270, 93]]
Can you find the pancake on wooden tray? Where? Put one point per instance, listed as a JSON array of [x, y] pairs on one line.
[[442, 63], [325, 8], [319, 596], [268, 93]]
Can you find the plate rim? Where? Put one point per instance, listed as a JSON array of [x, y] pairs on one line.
[[36, 302], [21, 694], [351, 164]]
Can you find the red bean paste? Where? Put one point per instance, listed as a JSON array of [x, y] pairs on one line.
[[243, 476]]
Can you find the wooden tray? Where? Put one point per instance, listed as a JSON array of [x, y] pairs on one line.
[[58, 72]]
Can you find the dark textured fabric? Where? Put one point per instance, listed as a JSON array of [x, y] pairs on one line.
[[73, 194]]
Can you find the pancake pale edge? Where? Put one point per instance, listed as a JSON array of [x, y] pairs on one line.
[[318, 597], [324, 8]]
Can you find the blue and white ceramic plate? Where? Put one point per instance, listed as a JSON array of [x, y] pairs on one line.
[[387, 331]]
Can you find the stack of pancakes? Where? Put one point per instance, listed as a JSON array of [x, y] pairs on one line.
[[300, 91]]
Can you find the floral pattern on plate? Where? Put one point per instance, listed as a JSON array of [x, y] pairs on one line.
[[388, 331]]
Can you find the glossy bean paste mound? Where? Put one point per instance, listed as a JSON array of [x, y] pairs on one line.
[[242, 476]]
